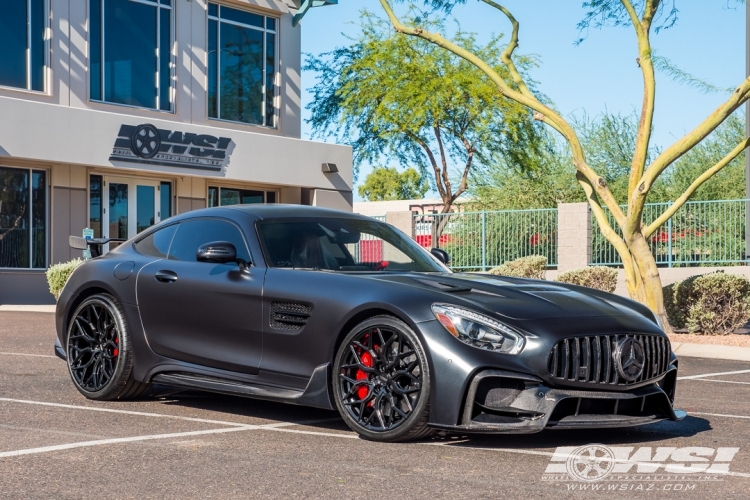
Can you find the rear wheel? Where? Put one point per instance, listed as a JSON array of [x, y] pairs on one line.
[[381, 381], [100, 358]]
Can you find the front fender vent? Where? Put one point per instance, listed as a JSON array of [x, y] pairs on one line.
[[592, 359], [289, 316]]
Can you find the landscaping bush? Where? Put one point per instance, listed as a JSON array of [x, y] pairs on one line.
[[713, 304], [532, 266], [58, 275], [599, 277]]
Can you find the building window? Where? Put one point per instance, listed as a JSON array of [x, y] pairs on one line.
[[130, 52], [241, 66], [95, 205], [223, 197], [165, 193], [23, 218], [23, 57]]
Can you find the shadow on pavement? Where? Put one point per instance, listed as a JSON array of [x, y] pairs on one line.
[[254, 408]]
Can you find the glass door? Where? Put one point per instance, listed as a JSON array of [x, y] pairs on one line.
[[131, 206]]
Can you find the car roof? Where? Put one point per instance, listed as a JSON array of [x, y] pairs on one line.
[[270, 211]]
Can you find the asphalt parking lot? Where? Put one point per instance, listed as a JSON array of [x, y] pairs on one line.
[[56, 444]]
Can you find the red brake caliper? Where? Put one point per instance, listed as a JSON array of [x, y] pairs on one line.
[[363, 390], [116, 351]]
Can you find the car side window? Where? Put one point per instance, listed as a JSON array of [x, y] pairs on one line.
[[192, 234], [157, 243]]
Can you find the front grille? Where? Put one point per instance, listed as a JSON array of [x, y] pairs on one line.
[[289, 316], [591, 359]]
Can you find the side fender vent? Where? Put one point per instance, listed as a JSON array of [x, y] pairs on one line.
[[289, 316]]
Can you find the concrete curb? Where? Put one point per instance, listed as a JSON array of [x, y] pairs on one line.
[[36, 309], [711, 351]]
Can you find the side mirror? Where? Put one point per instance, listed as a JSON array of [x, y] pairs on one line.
[[441, 255], [219, 252]]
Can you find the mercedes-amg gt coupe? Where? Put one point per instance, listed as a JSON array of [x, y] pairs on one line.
[[335, 310]]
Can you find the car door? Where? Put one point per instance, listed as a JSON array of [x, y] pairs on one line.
[[199, 312]]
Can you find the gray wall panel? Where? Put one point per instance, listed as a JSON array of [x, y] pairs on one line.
[[60, 225], [24, 287]]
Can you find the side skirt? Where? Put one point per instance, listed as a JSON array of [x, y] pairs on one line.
[[315, 394]]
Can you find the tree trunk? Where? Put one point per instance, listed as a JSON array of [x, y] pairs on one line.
[[642, 278]]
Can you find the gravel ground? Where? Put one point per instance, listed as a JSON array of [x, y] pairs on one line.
[[734, 339]]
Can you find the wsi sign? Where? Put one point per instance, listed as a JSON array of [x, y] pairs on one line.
[[644, 465], [147, 144]]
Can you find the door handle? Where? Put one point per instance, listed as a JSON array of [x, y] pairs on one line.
[[166, 276]]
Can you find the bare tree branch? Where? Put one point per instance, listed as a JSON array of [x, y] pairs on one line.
[[444, 174], [740, 95], [543, 112], [645, 125], [679, 202], [607, 231], [433, 162], [507, 55]]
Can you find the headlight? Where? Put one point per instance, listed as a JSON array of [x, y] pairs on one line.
[[478, 330]]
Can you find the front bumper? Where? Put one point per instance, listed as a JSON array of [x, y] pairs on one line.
[[506, 402]]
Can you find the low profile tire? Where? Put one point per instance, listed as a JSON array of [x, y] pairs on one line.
[[100, 357], [381, 381]]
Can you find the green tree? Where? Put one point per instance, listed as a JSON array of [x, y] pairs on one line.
[[608, 140], [385, 184], [643, 17], [727, 184], [412, 102]]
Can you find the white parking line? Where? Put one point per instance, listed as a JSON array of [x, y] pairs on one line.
[[154, 415], [133, 439], [717, 380], [690, 377], [26, 354], [100, 442], [719, 415]]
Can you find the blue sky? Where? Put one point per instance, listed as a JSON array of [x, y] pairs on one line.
[[601, 73]]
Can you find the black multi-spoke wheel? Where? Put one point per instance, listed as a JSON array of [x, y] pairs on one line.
[[98, 350], [381, 381], [93, 347]]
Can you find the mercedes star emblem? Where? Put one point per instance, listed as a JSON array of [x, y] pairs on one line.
[[630, 358]]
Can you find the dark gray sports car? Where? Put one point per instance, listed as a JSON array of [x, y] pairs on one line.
[[333, 310]]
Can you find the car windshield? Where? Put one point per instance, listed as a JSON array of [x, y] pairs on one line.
[[346, 245]]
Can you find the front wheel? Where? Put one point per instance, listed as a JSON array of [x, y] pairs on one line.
[[381, 381], [100, 357]]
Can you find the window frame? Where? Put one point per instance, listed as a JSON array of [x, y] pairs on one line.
[[157, 75], [276, 64], [30, 171], [153, 230], [270, 264], [220, 187], [244, 236], [46, 48]]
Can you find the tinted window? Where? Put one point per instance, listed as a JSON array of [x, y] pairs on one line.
[[343, 245], [130, 52], [23, 218], [157, 244], [22, 58], [193, 234]]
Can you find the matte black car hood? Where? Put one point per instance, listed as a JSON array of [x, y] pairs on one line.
[[517, 298]]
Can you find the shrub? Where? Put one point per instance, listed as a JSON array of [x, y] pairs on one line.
[[58, 275], [599, 277], [713, 304], [532, 266]]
